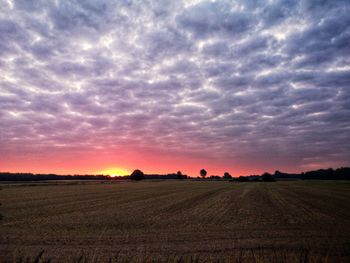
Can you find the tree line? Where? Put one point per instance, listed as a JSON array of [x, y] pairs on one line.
[[342, 173]]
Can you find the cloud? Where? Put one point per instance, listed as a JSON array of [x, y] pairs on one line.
[[231, 81], [213, 19]]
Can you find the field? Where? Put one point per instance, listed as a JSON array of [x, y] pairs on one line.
[[176, 221]]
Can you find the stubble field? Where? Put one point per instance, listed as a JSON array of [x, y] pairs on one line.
[[176, 221]]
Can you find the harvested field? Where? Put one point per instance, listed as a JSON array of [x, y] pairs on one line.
[[176, 221]]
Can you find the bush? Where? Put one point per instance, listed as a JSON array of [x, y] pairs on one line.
[[266, 177], [243, 179], [137, 175], [203, 173], [179, 175], [227, 176]]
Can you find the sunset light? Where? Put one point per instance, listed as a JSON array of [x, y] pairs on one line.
[[175, 131], [115, 172], [233, 86]]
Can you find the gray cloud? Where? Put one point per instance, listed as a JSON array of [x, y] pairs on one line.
[[210, 19]]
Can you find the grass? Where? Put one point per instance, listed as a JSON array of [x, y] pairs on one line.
[[176, 221]]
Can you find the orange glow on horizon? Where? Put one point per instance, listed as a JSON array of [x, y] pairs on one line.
[[115, 172], [150, 162]]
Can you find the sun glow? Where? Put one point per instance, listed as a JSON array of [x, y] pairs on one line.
[[115, 172]]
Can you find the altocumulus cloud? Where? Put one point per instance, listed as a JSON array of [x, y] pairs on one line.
[[263, 82]]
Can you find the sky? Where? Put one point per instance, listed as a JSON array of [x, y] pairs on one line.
[[242, 86]]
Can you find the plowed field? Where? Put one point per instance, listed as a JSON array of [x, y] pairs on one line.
[[176, 221]]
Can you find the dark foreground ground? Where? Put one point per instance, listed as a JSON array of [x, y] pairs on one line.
[[176, 221]]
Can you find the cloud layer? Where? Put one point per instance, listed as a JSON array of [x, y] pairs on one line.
[[242, 83]]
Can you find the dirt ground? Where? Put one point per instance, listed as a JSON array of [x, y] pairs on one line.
[[175, 220]]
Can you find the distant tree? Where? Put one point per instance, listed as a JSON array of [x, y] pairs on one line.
[[322, 174], [266, 177], [342, 173], [278, 173], [203, 173], [227, 176], [137, 175], [243, 179], [179, 175]]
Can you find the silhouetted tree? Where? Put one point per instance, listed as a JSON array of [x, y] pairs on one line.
[[323, 174], [279, 175], [227, 176], [243, 179], [137, 175], [179, 175], [203, 173], [342, 173], [266, 177]]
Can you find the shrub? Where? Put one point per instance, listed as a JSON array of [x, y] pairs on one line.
[[243, 179], [266, 177], [203, 172], [227, 176], [137, 175]]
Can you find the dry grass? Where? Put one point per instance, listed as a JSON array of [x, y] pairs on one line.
[[177, 221]]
